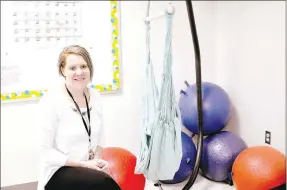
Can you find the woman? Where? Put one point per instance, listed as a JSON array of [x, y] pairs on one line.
[[72, 136]]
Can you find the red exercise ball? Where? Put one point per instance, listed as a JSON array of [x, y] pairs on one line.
[[122, 165], [259, 168]]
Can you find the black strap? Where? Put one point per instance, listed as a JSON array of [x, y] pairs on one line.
[[88, 110]]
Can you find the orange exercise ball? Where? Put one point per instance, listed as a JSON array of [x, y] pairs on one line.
[[122, 165], [259, 168]]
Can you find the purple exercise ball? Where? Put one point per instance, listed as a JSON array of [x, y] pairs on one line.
[[216, 107], [218, 154]]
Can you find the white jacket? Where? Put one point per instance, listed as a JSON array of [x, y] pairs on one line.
[[62, 132]]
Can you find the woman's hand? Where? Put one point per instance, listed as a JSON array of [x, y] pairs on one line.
[[103, 165], [97, 164], [92, 164]]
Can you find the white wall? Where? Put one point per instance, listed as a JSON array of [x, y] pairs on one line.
[[223, 56], [250, 58]]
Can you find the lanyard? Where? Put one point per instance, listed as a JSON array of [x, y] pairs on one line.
[[88, 110]]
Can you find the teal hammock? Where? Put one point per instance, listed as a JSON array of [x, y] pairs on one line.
[[161, 150]]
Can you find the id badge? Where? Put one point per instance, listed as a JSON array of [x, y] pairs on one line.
[[91, 153]]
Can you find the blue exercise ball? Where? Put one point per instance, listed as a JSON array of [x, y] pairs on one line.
[[216, 108], [219, 152], [187, 161]]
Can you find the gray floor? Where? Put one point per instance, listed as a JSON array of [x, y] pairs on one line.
[[26, 186], [199, 184]]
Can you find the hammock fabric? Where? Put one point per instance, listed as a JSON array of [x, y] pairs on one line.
[[161, 151]]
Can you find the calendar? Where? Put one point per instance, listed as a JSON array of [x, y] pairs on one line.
[[46, 22], [33, 33]]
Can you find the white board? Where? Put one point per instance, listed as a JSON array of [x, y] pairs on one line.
[[33, 33]]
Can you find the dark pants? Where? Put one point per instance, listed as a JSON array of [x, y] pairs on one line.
[[78, 178], [281, 187]]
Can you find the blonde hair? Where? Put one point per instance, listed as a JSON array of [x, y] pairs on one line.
[[76, 50]]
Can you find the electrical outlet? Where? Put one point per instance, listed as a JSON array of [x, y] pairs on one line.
[[267, 137]]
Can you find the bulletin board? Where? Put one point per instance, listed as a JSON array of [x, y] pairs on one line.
[[33, 33]]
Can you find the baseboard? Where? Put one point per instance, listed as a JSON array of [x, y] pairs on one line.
[[25, 186]]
